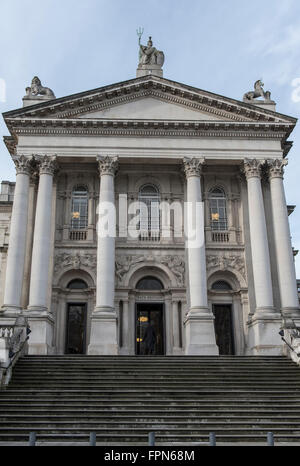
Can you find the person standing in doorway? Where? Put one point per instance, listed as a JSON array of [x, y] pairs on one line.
[[149, 339]]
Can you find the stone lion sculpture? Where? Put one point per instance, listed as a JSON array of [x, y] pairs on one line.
[[38, 89], [258, 92]]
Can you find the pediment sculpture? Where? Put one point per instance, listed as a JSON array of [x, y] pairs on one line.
[[258, 92], [37, 89]]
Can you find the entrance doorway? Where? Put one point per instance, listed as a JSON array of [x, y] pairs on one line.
[[224, 328], [150, 313], [76, 328]]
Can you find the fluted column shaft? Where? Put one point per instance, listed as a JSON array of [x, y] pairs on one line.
[[106, 243], [195, 243], [38, 297], [103, 338], [259, 239], [199, 323], [283, 245], [17, 236]]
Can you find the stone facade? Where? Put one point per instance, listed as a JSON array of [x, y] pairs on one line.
[[186, 144]]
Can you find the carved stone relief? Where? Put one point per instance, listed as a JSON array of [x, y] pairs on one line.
[[174, 263], [74, 260], [225, 262]]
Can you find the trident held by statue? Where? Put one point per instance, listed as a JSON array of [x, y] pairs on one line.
[[139, 32]]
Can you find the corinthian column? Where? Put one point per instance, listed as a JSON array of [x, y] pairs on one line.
[[17, 236], [283, 246], [104, 320], [41, 320], [264, 326], [199, 324]]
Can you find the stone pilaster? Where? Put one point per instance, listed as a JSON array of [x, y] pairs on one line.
[[199, 324], [264, 325], [17, 237], [41, 321], [104, 319], [283, 246]]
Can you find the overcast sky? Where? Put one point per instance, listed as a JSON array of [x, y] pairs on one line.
[[222, 46]]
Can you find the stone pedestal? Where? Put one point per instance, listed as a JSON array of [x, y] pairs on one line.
[[103, 338], [200, 335], [263, 338], [41, 336], [145, 70]]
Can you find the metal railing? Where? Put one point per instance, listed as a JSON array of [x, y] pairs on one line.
[[152, 442]]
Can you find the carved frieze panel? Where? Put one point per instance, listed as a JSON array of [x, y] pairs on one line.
[[235, 262], [75, 260], [175, 264]]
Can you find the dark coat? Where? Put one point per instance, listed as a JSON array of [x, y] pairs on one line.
[[150, 337]]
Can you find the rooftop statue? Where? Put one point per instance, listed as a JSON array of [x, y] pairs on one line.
[[258, 92], [36, 88], [149, 55]]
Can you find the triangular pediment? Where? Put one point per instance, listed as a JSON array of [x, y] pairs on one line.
[[151, 108], [148, 98]]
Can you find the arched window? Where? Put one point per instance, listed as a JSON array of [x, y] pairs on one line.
[[77, 284], [221, 285], [149, 283], [217, 207], [149, 209], [79, 214]]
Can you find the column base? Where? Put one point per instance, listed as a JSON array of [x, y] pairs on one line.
[[291, 312], [200, 333], [41, 325], [177, 351], [103, 340], [10, 311], [263, 337], [266, 313]]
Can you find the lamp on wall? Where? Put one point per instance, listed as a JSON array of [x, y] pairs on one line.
[[215, 216]]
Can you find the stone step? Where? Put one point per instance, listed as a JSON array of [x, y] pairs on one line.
[[145, 422], [125, 431], [150, 391], [167, 403], [81, 375], [152, 416], [52, 382], [183, 399], [122, 412]]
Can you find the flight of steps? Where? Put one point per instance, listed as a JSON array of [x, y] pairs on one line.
[[123, 398]]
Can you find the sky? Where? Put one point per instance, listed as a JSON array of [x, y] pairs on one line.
[[222, 46]]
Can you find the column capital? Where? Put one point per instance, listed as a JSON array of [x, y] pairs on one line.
[[107, 165], [193, 166], [47, 164], [24, 164], [252, 168], [276, 167]]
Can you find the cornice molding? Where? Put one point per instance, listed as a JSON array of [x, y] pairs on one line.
[[155, 128]]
